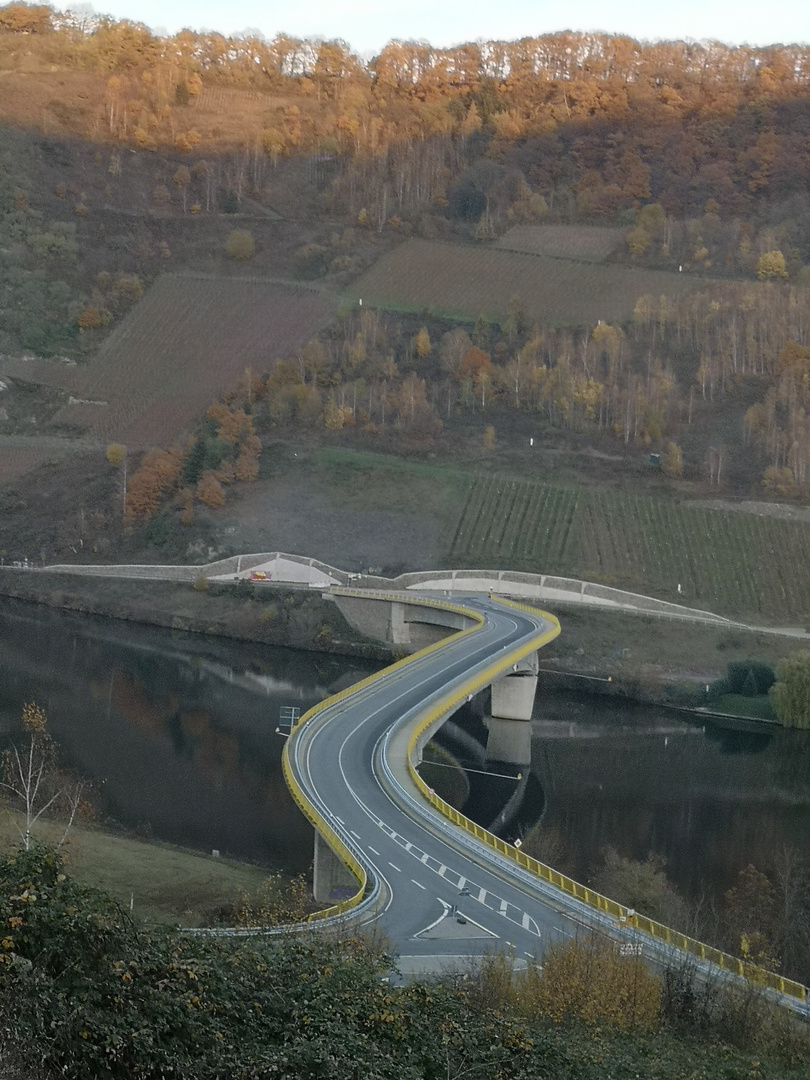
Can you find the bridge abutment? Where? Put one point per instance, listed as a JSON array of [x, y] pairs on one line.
[[405, 623]]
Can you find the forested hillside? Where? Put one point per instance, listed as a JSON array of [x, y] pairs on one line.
[[594, 125], [565, 242]]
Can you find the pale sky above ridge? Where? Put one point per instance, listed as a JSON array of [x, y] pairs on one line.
[[367, 25]]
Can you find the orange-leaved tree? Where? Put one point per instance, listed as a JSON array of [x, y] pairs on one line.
[[209, 490], [157, 474]]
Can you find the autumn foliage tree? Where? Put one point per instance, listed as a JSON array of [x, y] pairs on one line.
[[790, 694], [209, 490], [750, 918], [589, 981], [26, 19], [672, 461], [158, 473], [771, 266], [240, 245]]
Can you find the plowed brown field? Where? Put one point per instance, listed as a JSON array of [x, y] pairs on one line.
[[180, 347], [589, 243]]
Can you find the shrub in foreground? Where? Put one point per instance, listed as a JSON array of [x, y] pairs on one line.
[[87, 993]]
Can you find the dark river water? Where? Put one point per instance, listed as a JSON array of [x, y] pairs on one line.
[[178, 732]]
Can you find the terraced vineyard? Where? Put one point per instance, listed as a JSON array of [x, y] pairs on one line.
[[732, 563]]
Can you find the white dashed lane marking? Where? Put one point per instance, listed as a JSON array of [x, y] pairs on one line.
[[476, 892]]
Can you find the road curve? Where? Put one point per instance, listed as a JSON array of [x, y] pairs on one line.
[[439, 894], [433, 890]]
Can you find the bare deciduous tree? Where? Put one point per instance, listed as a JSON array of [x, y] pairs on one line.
[[33, 780]]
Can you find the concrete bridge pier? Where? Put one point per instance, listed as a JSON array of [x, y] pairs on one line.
[[509, 726], [331, 880]]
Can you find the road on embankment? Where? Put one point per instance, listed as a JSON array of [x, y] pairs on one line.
[[440, 893]]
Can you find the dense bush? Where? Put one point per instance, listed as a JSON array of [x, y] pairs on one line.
[[87, 993], [750, 678]]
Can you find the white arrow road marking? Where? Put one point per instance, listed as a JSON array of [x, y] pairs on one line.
[[427, 929], [530, 925]]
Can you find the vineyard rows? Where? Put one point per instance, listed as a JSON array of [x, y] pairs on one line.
[[733, 563]]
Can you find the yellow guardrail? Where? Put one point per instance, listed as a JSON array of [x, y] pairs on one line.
[[760, 976], [757, 975], [311, 812], [658, 931], [335, 843]]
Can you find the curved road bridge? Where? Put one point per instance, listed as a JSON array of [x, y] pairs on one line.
[[394, 856]]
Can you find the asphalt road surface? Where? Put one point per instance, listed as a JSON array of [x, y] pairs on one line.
[[443, 896]]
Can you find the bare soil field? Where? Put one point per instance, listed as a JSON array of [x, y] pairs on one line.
[[588, 243], [177, 350], [355, 511], [470, 281]]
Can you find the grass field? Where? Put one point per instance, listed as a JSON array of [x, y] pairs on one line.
[[181, 346], [755, 708], [735, 564], [19, 456], [363, 479], [588, 243], [161, 882], [466, 281]]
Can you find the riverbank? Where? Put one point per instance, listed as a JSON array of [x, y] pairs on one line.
[[617, 654], [608, 652], [292, 617]]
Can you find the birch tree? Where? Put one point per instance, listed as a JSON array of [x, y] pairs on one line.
[[33, 782]]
